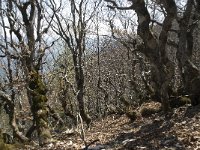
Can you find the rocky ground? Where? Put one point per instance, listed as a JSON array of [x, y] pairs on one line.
[[179, 130]]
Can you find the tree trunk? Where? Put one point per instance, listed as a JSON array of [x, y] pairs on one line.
[[39, 107], [80, 98], [79, 77], [184, 52], [30, 49], [64, 96], [155, 49], [189, 72]]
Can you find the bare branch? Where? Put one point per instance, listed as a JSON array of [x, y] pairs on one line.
[[5, 97], [114, 5]]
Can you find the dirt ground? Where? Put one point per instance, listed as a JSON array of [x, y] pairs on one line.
[[178, 130]]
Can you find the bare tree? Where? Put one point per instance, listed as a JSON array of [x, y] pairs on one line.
[[26, 29], [74, 35], [9, 100], [155, 48]]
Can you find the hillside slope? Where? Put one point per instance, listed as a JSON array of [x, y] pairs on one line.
[[178, 130]]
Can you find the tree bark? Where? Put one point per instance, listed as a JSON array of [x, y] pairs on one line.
[[184, 52], [37, 92], [155, 49], [36, 89], [79, 77], [189, 72]]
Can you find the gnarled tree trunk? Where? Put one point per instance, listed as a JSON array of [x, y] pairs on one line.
[[31, 55], [37, 94], [153, 48]]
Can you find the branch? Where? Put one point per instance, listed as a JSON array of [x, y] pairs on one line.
[[42, 53], [5, 97], [71, 85], [7, 53], [171, 9], [40, 17], [113, 2], [17, 33], [32, 12], [114, 5], [62, 33], [39, 20], [82, 132], [23, 11]]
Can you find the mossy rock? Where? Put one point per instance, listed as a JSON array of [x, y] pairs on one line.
[[180, 101], [148, 109]]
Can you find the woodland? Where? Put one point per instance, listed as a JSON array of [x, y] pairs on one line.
[[99, 74]]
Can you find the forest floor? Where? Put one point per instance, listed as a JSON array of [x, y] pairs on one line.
[[179, 130]]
